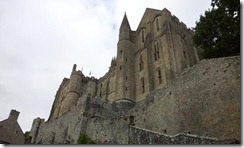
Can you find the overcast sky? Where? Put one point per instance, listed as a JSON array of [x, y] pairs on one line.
[[40, 40]]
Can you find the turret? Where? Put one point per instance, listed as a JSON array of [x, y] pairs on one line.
[[74, 91], [125, 63], [125, 31]]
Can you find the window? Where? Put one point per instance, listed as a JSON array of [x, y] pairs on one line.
[[184, 54], [142, 85], [120, 67], [100, 94], [125, 88], [141, 66], [142, 36], [156, 51], [157, 25], [101, 85], [159, 76]]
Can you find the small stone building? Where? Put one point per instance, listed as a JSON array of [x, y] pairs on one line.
[[10, 130]]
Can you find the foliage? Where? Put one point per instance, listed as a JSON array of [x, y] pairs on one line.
[[84, 139], [26, 134], [218, 32]]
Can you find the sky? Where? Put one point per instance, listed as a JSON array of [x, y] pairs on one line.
[[40, 40]]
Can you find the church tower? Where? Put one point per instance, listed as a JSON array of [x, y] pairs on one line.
[[125, 63]]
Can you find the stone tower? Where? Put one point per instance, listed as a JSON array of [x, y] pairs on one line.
[[125, 63], [74, 91]]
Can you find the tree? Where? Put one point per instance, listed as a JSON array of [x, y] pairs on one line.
[[218, 32]]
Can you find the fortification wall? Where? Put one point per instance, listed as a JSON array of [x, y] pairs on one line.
[[142, 136], [103, 122], [204, 100], [64, 129]]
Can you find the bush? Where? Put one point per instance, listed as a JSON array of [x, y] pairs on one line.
[[84, 139]]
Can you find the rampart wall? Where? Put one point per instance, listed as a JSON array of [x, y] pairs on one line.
[[204, 100], [142, 136]]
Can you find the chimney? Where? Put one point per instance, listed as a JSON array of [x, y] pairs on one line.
[[14, 115]]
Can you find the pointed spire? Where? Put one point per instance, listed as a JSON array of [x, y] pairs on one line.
[[125, 23], [125, 31]]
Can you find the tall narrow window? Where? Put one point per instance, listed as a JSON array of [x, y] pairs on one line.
[[142, 85], [159, 76], [141, 63], [101, 86], [156, 51], [184, 54], [157, 25], [142, 36]]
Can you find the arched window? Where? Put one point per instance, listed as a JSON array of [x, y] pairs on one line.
[[142, 85], [156, 51], [159, 76], [142, 35], [141, 65], [157, 25]]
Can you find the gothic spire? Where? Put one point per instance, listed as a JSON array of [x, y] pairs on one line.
[[125, 31], [125, 26]]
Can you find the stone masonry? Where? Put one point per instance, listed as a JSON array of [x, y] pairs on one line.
[[157, 82], [10, 131]]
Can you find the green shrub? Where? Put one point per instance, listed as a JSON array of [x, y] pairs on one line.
[[84, 139]]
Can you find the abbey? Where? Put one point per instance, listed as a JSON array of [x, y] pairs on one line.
[[147, 59], [158, 85]]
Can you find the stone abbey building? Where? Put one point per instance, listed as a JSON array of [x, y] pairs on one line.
[[147, 59], [157, 87]]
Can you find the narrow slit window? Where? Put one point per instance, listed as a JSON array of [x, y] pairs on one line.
[[159, 77], [141, 66], [156, 51], [142, 85], [157, 25], [142, 35]]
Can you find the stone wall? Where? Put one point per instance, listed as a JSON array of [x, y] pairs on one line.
[[204, 100], [143, 136], [103, 122]]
